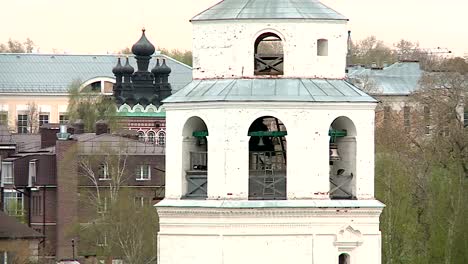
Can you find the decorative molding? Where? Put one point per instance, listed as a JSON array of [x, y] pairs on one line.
[[348, 239]]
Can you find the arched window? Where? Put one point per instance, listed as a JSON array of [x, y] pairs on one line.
[[151, 136], [342, 134], [344, 259], [269, 55], [322, 47], [267, 159], [195, 158], [162, 138], [141, 136]]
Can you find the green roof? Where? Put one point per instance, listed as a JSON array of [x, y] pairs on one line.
[[269, 9], [287, 90], [53, 73]]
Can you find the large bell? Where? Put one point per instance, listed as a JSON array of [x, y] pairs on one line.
[[334, 155]]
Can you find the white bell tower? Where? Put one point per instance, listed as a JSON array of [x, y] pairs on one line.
[[270, 152]]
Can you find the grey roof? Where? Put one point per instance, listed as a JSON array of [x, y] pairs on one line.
[[301, 90], [269, 9], [90, 143], [401, 78], [52, 74], [10, 228]]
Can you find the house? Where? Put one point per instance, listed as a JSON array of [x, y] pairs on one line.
[[42, 186], [34, 87], [18, 242]]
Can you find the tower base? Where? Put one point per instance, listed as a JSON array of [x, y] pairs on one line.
[[274, 232]]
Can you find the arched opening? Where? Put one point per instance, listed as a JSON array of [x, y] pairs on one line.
[[269, 55], [151, 136], [195, 158], [344, 259], [342, 149], [162, 138], [267, 159], [322, 47], [141, 136]]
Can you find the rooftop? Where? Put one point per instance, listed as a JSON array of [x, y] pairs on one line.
[[295, 90], [12, 229], [269, 9], [53, 73], [401, 78]]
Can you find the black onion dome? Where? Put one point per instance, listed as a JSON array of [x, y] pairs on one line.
[[164, 69], [118, 68], [143, 47], [127, 68], [156, 68]]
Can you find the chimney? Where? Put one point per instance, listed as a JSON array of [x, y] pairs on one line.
[[48, 134], [78, 127], [102, 127]]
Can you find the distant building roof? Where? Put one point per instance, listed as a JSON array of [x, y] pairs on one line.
[[401, 78], [299, 90], [90, 143], [10, 228], [268, 9], [53, 73]]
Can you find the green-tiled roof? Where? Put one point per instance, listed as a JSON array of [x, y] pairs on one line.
[[269, 9], [296, 90], [52, 74]]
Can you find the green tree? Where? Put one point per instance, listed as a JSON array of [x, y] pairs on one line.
[[372, 52], [90, 106], [117, 225], [182, 56]]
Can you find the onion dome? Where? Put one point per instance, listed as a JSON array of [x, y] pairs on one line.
[[143, 47], [164, 69], [127, 68], [157, 68], [117, 70]]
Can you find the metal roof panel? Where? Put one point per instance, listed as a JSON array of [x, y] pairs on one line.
[[268, 9]]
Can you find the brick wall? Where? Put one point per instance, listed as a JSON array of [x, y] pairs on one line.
[[67, 197]]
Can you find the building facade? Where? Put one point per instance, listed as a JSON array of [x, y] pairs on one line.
[[270, 149], [49, 188]]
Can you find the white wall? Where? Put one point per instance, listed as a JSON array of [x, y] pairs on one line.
[[307, 125], [225, 49], [271, 235]]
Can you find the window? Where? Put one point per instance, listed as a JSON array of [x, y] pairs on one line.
[[141, 201], [141, 136], [63, 118], [102, 241], [387, 113], [162, 138], [102, 206], [36, 206], [344, 259], [427, 120], [3, 118], [103, 172], [22, 124], [269, 57], [322, 47], [7, 173], [143, 172], [406, 117], [32, 173], [151, 136], [43, 119], [13, 203]]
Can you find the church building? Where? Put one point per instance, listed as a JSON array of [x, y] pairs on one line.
[[270, 151]]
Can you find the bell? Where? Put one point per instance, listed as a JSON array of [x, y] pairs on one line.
[[334, 155], [260, 142]]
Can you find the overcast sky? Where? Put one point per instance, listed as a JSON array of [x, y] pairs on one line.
[[101, 26]]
